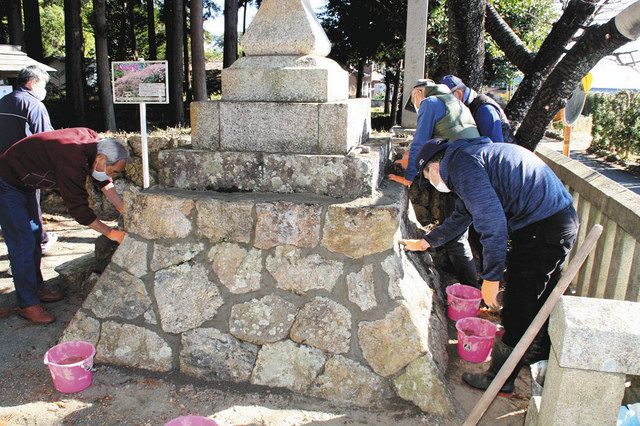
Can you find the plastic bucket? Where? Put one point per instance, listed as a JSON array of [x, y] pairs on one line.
[[475, 338], [70, 365], [463, 301], [191, 421]]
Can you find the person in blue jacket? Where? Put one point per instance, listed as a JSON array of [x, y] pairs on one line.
[[491, 120], [510, 195], [23, 114]]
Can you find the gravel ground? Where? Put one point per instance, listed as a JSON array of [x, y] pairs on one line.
[[135, 397]]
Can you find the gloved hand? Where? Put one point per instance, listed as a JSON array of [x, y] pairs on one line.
[[116, 235], [404, 161], [414, 245], [399, 179], [490, 292]]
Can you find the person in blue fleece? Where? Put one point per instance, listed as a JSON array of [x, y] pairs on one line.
[[491, 120], [509, 194]]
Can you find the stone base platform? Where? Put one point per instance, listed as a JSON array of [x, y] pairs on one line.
[[336, 176], [331, 128], [288, 291]]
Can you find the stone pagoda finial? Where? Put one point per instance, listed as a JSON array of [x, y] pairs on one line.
[[285, 27]]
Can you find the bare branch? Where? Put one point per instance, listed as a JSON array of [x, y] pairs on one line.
[[515, 50]]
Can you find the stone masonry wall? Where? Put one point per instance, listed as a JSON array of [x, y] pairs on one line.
[[299, 292]]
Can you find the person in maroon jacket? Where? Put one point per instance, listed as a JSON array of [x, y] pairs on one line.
[[60, 159]]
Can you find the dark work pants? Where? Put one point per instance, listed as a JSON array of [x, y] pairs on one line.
[[22, 232], [534, 264], [458, 249]]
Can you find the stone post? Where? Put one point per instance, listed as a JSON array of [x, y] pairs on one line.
[[414, 57], [595, 343]]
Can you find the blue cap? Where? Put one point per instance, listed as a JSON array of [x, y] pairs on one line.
[[428, 151], [453, 82]]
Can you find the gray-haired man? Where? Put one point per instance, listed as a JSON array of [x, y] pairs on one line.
[[23, 114], [60, 159]]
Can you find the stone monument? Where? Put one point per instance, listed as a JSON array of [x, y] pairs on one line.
[[267, 254]]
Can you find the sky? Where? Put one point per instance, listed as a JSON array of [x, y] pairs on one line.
[[216, 26]]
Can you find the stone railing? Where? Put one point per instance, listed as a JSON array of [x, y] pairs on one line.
[[612, 271], [594, 345]]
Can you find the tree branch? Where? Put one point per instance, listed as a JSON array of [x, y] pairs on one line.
[[515, 50]]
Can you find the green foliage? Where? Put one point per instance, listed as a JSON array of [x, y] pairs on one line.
[[616, 123]]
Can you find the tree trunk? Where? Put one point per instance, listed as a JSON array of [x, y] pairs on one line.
[[176, 69], [387, 91], [74, 74], [131, 28], [396, 96], [466, 40], [360, 78], [33, 29], [185, 53], [515, 50], [14, 15], [102, 61], [577, 13], [151, 30], [244, 17], [199, 77], [230, 50], [596, 43]]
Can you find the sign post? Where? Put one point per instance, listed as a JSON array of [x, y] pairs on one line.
[[141, 82]]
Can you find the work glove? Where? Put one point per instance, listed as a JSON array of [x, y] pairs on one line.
[[404, 161], [414, 245], [116, 235], [490, 293], [399, 179]]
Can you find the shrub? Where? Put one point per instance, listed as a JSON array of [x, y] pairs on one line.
[[616, 123]]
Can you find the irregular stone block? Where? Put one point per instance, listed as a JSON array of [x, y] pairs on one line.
[[77, 272], [299, 274], [157, 215], [222, 220], [287, 365], [150, 317], [332, 175], [263, 320], [118, 294], [358, 231], [131, 346], [579, 397], [165, 256], [82, 327], [205, 125], [596, 334], [323, 324], [347, 381], [132, 256], [155, 143], [103, 250], [285, 79], [423, 384], [285, 27], [341, 122], [237, 269], [134, 173], [285, 223], [361, 287], [186, 297], [393, 342], [211, 355], [391, 266]]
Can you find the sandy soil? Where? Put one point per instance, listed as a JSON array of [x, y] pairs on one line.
[[136, 397]]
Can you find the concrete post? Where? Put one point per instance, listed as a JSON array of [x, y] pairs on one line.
[[414, 57], [595, 343]]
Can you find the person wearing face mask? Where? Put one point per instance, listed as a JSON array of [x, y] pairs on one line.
[[23, 114], [441, 115], [510, 195], [62, 160]]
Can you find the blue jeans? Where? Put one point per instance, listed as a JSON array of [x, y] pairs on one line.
[[22, 232]]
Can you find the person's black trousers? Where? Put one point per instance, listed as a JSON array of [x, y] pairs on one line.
[[534, 264]]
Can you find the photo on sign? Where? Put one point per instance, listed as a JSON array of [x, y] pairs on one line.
[[140, 82]]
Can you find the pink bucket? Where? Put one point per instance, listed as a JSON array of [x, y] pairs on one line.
[[191, 421], [463, 301], [475, 338], [70, 365]]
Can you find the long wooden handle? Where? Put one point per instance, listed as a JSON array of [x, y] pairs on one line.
[[538, 322]]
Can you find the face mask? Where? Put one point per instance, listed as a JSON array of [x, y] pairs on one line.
[[442, 187], [100, 176], [40, 92]]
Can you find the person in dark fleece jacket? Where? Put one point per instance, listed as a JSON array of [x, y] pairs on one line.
[[60, 159], [508, 193]]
